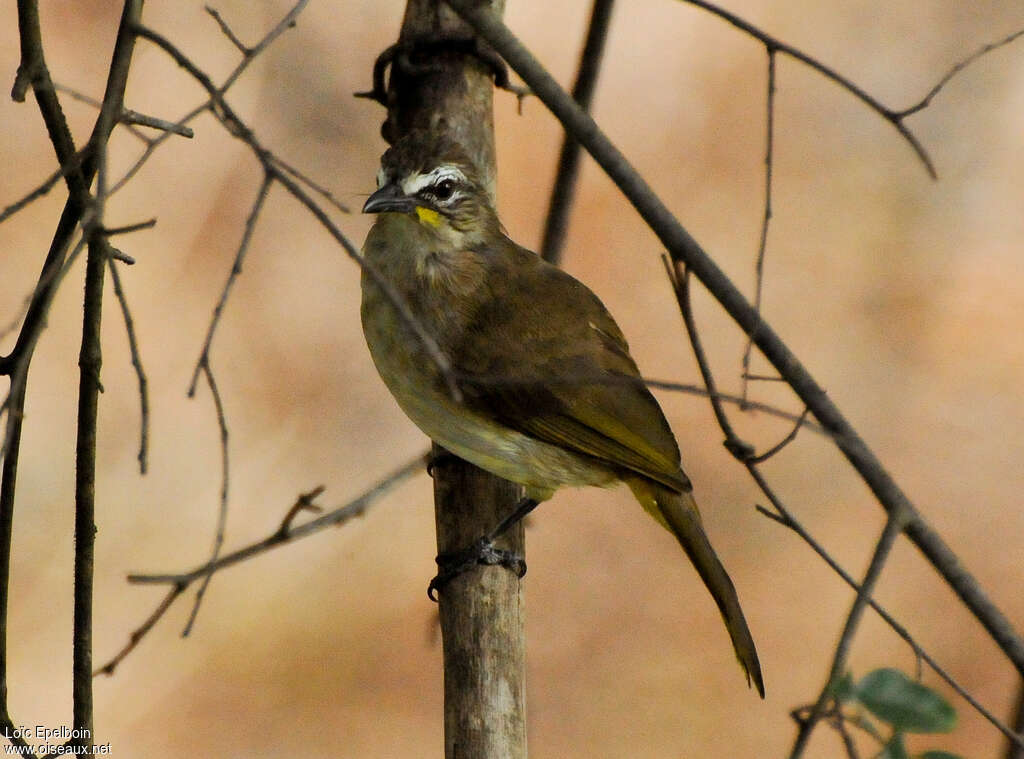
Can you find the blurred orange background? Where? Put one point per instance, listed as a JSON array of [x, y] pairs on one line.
[[902, 295]]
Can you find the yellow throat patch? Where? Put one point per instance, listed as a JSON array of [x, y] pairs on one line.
[[428, 216]]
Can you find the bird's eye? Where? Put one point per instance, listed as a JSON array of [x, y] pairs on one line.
[[443, 189]]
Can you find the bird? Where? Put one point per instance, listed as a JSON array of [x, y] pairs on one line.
[[548, 395]]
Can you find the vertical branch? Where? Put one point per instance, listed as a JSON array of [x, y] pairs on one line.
[[140, 372], [766, 219], [482, 619], [434, 86], [90, 361], [564, 189]]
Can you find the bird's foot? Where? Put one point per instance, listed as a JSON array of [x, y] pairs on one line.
[[483, 553], [417, 58]]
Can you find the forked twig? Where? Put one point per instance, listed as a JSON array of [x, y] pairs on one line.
[[286, 532]]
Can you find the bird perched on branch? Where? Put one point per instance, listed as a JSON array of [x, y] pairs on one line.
[[547, 394]]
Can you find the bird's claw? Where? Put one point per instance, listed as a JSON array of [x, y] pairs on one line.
[[483, 553]]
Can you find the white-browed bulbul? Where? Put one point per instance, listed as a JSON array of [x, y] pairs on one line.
[[550, 394]]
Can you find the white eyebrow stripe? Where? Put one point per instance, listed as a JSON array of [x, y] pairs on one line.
[[417, 182]]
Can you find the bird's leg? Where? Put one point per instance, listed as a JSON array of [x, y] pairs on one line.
[[483, 552]]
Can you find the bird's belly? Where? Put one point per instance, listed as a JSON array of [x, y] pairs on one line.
[[412, 377]]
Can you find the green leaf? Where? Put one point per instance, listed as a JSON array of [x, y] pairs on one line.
[[865, 724], [894, 749], [905, 704], [938, 755], [843, 690]]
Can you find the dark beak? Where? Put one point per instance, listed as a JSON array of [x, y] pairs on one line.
[[389, 198]]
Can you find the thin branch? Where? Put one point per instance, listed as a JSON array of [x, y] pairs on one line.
[[744, 453], [745, 405], [762, 457], [893, 527], [222, 512], [128, 229], [236, 269], [1015, 746], [956, 69], [130, 117], [762, 246], [892, 116], [783, 516], [317, 188], [287, 22], [238, 129], [139, 633], [61, 173], [244, 49], [283, 534], [140, 372], [305, 502], [564, 189], [81, 97], [684, 248], [90, 361], [680, 279]]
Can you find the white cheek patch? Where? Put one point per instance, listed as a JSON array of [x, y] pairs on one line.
[[417, 182]]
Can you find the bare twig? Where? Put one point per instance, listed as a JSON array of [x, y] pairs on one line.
[[239, 129], [314, 186], [134, 117], [564, 189], [1015, 746], [128, 229], [286, 23], [305, 502], [236, 269], [744, 453], [799, 419], [283, 534], [90, 361], [684, 248], [139, 633], [140, 372], [762, 457], [680, 279], [762, 246], [956, 69], [893, 527], [244, 49], [783, 516], [73, 165], [222, 511], [892, 116]]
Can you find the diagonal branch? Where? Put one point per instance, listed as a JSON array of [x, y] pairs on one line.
[[285, 533], [683, 248], [894, 117], [745, 454], [240, 130], [893, 527]]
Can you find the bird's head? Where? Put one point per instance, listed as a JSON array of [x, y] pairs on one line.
[[430, 178]]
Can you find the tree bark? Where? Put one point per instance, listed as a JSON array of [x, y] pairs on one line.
[[436, 84]]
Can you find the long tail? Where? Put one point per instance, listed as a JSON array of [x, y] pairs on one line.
[[678, 512]]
